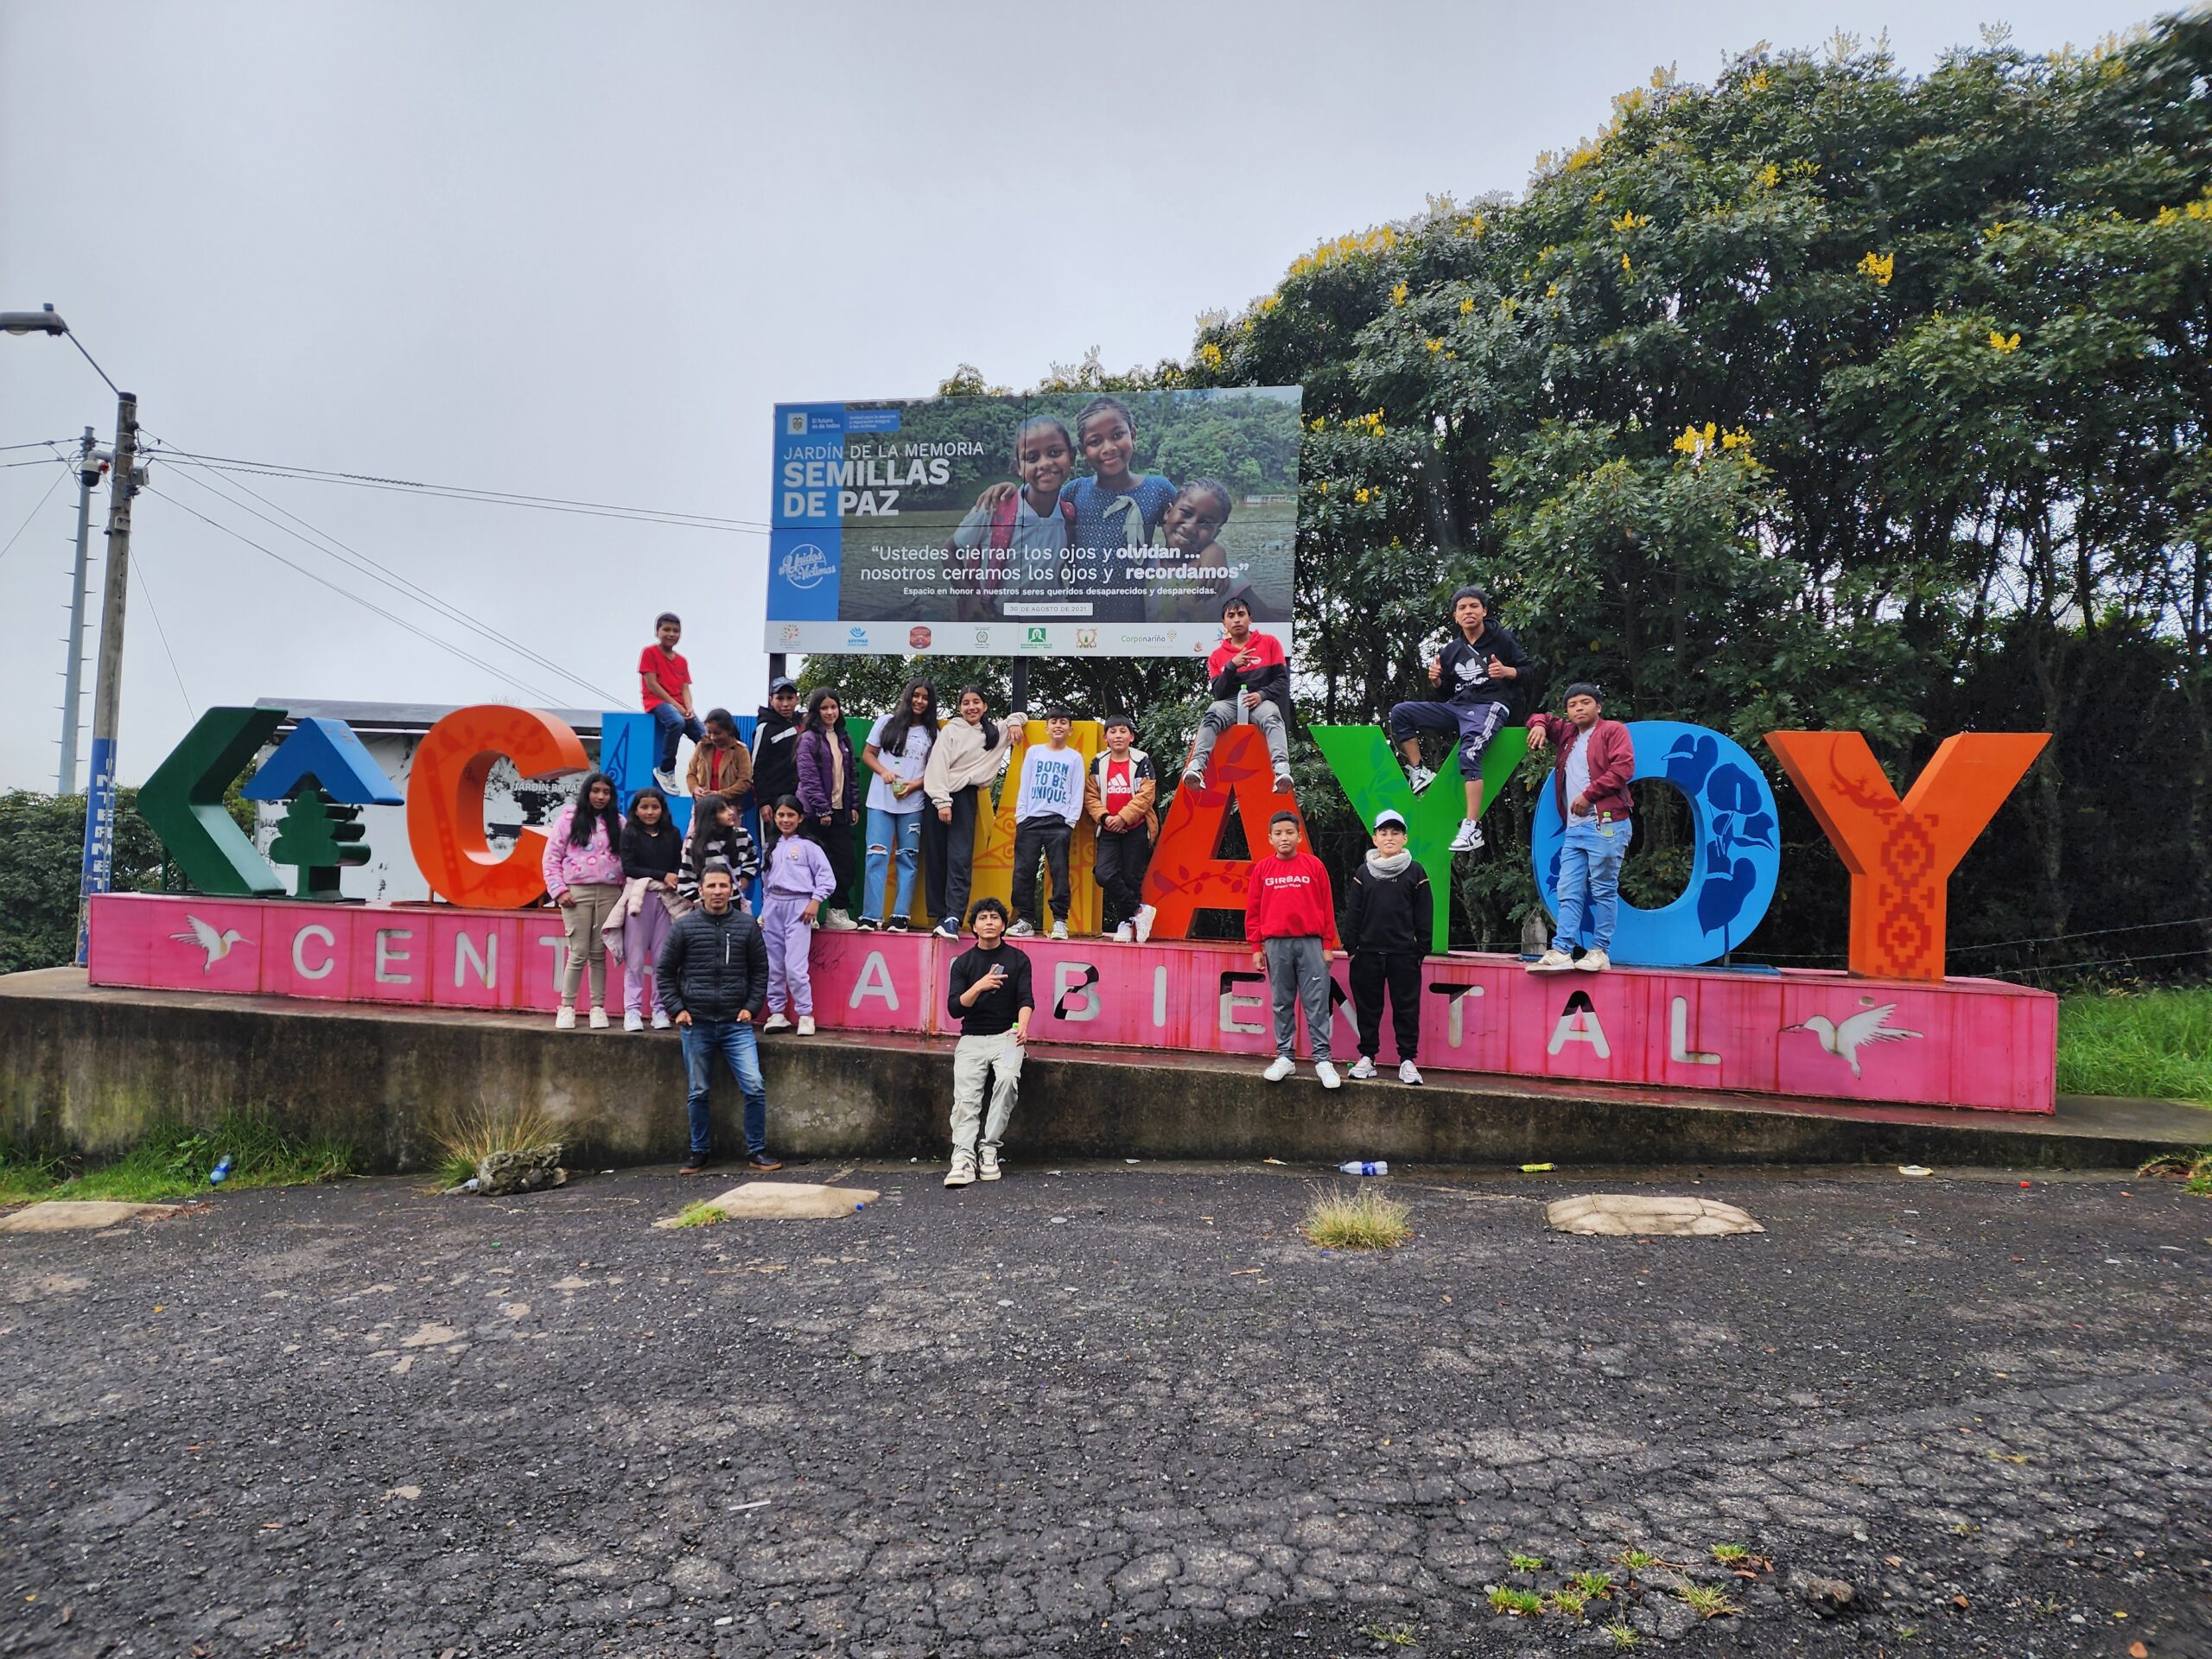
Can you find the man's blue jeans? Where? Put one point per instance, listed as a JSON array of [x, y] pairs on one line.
[[889, 833], [1590, 877], [735, 1041], [671, 723]]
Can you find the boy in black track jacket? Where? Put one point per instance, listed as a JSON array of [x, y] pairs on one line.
[[1388, 917]]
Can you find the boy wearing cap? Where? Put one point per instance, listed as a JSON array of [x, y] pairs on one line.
[[775, 756], [1045, 808], [1117, 796], [1389, 919], [1478, 670], [1594, 760]]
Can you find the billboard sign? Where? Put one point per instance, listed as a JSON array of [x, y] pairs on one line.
[[1060, 524]]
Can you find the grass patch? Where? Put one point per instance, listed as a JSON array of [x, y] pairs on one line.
[[173, 1161], [1593, 1583], [701, 1214], [1522, 1604], [1521, 1563], [2194, 1169], [1637, 1559], [1390, 1635], [1570, 1602], [2155, 1043], [1366, 1221], [464, 1137], [1622, 1635], [1731, 1554], [1706, 1601]]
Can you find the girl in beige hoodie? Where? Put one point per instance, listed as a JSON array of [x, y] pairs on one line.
[[968, 754]]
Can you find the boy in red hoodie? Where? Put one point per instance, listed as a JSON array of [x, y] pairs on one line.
[[1289, 916]]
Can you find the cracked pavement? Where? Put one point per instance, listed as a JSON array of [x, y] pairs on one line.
[[1110, 1410]]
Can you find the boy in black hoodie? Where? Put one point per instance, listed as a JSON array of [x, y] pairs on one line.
[[1388, 915], [775, 757], [1480, 672]]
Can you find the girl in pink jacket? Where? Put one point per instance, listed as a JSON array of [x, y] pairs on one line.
[[584, 874]]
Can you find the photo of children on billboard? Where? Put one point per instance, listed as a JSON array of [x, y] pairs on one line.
[[1120, 520]]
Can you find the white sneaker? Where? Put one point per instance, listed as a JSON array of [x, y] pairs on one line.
[[1408, 1072], [806, 1025], [1194, 779], [1125, 934], [1145, 917], [1060, 929], [565, 1020], [961, 1172], [666, 777], [987, 1164], [599, 1019], [1021, 930], [1469, 837], [835, 921], [1362, 1068], [1554, 961], [1419, 779], [1284, 784], [775, 1022], [1594, 962], [1327, 1073], [661, 1021], [1279, 1068], [633, 1020]]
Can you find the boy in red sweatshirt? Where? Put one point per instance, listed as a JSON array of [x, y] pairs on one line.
[[1289, 916]]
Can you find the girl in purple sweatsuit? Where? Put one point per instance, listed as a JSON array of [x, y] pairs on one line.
[[798, 880]]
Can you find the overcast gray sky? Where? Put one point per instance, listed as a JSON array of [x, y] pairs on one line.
[[581, 252]]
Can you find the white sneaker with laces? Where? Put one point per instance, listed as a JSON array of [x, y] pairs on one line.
[[1021, 930], [633, 1020], [806, 1025], [1125, 934], [835, 921], [1144, 916], [1327, 1073], [1408, 1072], [1060, 929], [1419, 779], [961, 1172], [987, 1164], [1594, 962], [1279, 1068], [1193, 777], [1469, 837], [1284, 784], [1363, 1068], [565, 1020], [661, 1021], [1554, 961], [666, 777], [775, 1022], [599, 1019]]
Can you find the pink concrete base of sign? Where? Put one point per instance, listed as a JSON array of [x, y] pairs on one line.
[[1974, 1043]]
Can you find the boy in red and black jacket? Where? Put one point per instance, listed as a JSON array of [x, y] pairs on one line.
[[1590, 780], [1290, 919], [1248, 677]]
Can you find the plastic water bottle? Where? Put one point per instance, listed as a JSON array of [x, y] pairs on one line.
[[221, 1173], [1356, 1167]]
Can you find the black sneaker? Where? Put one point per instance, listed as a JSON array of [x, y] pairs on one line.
[[900, 924], [695, 1163], [763, 1162], [869, 924], [947, 928]]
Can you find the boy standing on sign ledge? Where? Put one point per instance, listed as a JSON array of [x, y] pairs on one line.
[[1250, 681], [989, 996], [1288, 911], [775, 752], [1117, 796], [1595, 760], [665, 688], [1045, 808], [1480, 669], [1389, 917]]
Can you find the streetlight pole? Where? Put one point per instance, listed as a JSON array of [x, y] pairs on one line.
[[72, 680], [99, 861]]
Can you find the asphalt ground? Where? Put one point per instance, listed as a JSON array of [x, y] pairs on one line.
[[1111, 1410]]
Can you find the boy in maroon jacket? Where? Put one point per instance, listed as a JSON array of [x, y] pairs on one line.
[[1590, 780], [1289, 918]]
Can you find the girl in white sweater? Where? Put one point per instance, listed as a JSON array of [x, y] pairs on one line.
[[969, 752]]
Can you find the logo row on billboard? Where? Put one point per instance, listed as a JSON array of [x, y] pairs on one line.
[[993, 638]]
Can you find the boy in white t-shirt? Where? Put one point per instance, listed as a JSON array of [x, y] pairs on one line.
[[1045, 809]]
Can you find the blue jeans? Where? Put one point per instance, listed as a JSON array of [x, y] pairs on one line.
[[735, 1041], [888, 832], [671, 723], [1590, 874]]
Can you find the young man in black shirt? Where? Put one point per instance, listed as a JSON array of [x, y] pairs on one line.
[[775, 750], [989, 996], [1480, 671]]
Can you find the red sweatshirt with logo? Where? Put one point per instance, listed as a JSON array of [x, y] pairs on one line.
[[1288, 899]]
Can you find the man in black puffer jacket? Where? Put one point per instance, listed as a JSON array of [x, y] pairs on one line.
[[713, 980]]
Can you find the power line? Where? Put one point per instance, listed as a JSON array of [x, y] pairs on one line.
[[468, 493], [446, 645], [146, 593], [26, 524], [392, 579], [39, 461], [40, 443]]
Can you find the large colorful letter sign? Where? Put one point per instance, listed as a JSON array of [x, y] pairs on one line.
[[1733, 829], [1901, 854], [445, 801], [1186, 874], [182, 803]]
